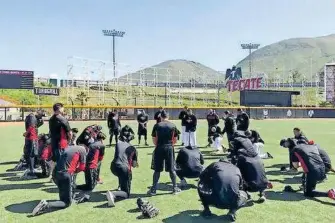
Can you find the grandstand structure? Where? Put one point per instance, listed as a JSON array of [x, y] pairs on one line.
[[155, 86]]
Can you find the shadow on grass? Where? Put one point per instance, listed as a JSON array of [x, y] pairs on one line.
[[51, 190], [13, 170], [194, 217], [17, 178], [284, 196], [22, 208], [169, 187], [8, 174], [135, 210], [279, 173], [278, 165], [293, 180], [143, 147], [322, 202], [21, 186], [9, 163], [105, 205]]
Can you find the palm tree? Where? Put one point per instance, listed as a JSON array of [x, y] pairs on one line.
[[82, 98]]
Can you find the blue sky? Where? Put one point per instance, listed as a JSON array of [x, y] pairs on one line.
[[39, 35]]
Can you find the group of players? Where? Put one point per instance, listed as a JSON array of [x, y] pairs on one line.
[[224, 184]]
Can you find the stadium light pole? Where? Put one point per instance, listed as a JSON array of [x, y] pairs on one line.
[[250, 47], [113, 33]]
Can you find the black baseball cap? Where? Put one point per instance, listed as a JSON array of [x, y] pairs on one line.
[[164, 114], [282, 142], [227, 112]]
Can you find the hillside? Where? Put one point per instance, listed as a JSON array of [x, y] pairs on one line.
[[306, 55], [176, 71]]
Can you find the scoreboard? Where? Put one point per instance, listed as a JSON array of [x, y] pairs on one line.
[[16, 79]]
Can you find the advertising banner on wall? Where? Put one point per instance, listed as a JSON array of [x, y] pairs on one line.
[[46, 91], [244, 84]]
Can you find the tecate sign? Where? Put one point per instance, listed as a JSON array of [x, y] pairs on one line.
[[244, 84], [46, 91]]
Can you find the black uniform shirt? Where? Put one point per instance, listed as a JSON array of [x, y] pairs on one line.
[[126, 132], [183, 117], [191, 123], [125, 154], [141, 118], [242, 121], [31, 127], [225, 179], [72, 160], [113, 121], [229, 125], [212, 119], [324, 156], [310, 159], [189, 159], [165, 133], [59, 127], [253, 172], [242, 145]]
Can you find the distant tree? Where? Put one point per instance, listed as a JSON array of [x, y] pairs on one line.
[[44, 84], [82, 98], [296, 76]]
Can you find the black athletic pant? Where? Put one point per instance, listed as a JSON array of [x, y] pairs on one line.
[[290, 159], [91, 179], [309, 183], [163, 155], [125, 177], [115, 133], [46, 169], [214, 200], [64, 182], [127, 138], [230, 138], [140, 137], [30, 153]]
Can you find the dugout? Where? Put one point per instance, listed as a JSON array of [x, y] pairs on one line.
[[261, 98]]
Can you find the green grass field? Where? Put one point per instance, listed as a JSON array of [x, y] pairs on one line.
[[18, 198]]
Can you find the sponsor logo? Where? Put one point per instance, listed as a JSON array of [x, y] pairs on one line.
[[311, 113]]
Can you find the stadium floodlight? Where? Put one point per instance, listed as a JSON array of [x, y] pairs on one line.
[[113, 33], [250, 47]]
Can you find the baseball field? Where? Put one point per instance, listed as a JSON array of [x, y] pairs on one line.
[[18, 198]]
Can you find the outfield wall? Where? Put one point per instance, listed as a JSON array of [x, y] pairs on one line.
[[17, 113]]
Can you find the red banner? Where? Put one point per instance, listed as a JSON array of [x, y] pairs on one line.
[[244, 84]]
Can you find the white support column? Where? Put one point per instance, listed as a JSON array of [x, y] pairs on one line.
[[303, 90], [180, 87], [168, 86]]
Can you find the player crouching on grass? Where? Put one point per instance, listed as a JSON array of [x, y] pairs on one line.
[[127, 134], [124, 159], [221, 185], [258, 144], [189, 164], [250, 165], [312, 164], [93, 163], [70, 162], [215, 138]]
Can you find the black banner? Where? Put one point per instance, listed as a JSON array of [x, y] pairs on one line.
[[46, 91]]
